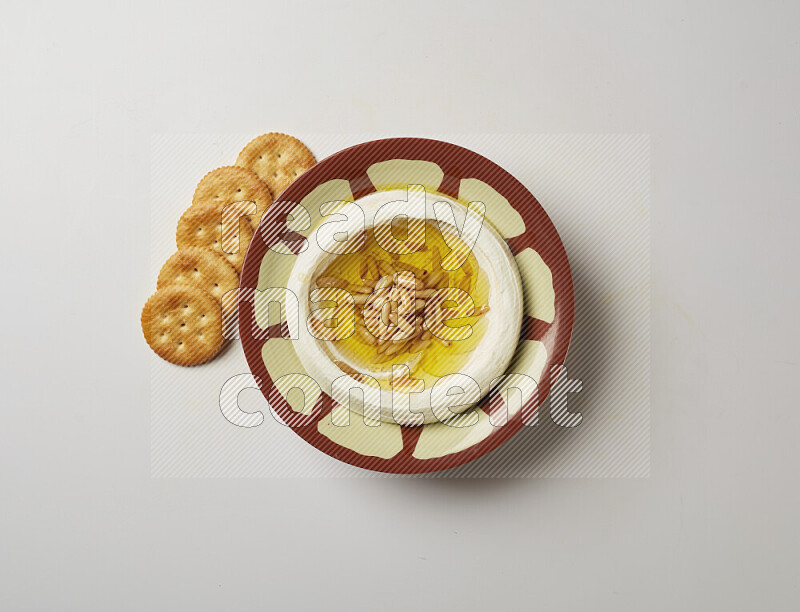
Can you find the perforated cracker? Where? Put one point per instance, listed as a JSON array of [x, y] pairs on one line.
[[183, 324], [231, 184], [278, 159], [200, 267], [227, 234]]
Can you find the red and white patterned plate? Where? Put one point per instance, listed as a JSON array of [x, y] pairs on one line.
[[462, 175]]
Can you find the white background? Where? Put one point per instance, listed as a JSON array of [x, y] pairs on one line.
[[82, 524]]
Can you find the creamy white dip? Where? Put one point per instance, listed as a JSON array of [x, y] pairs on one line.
[[488, 360]]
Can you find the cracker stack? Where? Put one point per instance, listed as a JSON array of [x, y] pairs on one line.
[[183, 321]]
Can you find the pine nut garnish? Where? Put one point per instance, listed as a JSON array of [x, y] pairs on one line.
[[392, 298]]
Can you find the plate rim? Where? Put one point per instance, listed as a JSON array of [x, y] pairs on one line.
[[458, 160]]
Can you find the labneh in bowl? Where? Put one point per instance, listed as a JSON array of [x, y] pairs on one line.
[[355, 318], [468, 352]]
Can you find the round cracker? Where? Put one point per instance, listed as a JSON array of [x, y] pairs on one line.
[[231, 184], [201, 226], [183, 324], [278, 159], [200, 267]]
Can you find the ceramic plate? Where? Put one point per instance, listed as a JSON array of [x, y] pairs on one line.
[[442, 168]]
